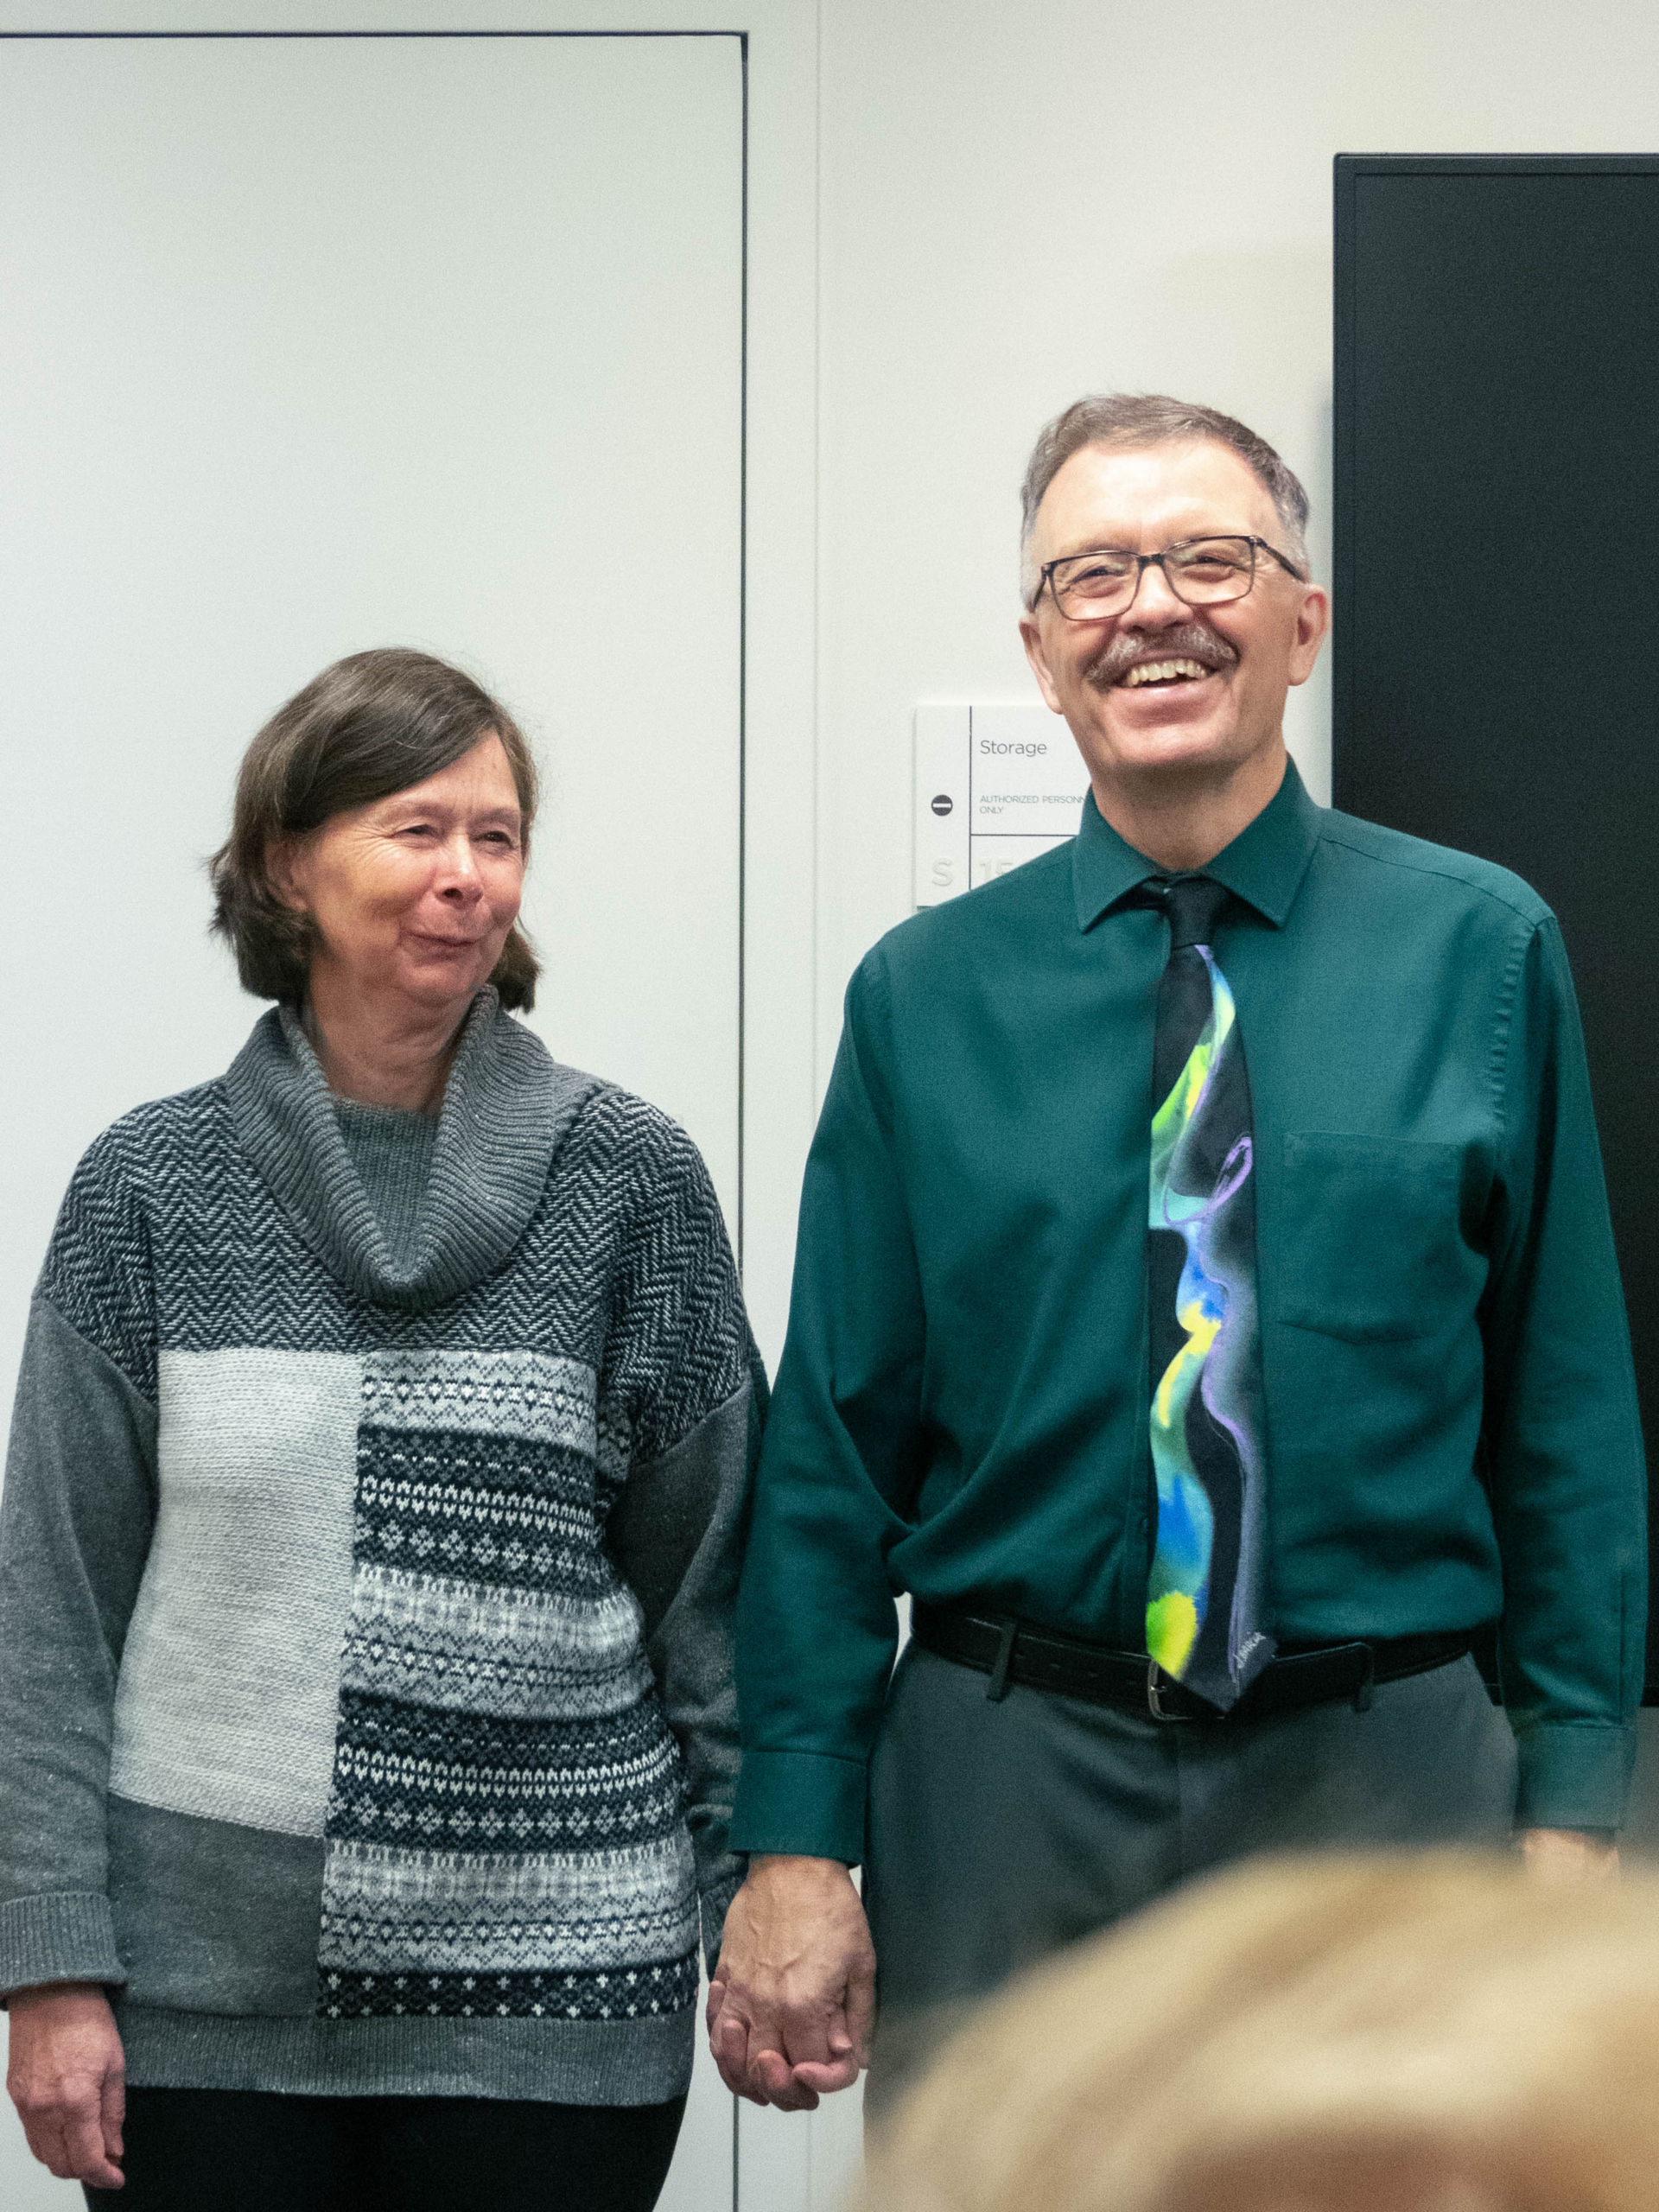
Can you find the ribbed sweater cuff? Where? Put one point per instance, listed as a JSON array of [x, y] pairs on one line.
[[68, 1936], [806, 1803], [1574, 1774]]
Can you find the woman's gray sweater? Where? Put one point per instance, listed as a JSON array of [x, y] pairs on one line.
[[367, 1554], [391, 1152]]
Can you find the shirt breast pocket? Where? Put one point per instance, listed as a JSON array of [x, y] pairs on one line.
[[1369, 1243]]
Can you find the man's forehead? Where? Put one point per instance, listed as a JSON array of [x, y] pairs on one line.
[[1116, 493]]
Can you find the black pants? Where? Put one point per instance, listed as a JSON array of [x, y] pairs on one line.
[[999, 1832], [240, 2150]]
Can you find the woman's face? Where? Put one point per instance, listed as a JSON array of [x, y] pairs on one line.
[[413, 895]]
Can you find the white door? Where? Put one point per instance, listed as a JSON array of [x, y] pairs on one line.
[[310, 344]]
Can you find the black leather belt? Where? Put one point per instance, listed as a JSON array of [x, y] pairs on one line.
[[1011, 1651]]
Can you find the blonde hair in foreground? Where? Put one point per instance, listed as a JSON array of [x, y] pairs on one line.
[[1433, 2032]]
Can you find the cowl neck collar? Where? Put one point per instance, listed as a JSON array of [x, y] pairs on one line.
[[506, 1108]]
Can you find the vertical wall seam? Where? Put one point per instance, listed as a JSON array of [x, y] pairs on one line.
[[819, 1076], [743, 659]]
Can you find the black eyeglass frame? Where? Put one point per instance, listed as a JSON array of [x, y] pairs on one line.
[[1145, 561]]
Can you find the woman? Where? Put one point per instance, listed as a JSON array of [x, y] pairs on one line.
[[368, 1546]]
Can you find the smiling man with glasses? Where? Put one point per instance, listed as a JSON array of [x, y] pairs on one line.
[[1205, 1310]]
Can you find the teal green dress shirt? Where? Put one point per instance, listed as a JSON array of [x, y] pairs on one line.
[[962, 1407]]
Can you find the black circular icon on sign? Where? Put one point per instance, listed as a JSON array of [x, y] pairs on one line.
[[942, 804]]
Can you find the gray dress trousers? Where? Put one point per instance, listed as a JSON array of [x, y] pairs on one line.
[[1000, 1831]]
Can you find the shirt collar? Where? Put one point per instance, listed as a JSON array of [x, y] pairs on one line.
[[1263, 865]]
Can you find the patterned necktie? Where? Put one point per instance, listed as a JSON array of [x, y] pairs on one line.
[[1206, 1601]]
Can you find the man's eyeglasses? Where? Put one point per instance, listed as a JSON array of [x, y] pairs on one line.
[[1201, 572]]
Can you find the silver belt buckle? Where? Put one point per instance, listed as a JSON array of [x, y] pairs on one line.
[[1170, 1719]]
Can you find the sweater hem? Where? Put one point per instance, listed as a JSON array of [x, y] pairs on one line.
[[548, 2061]]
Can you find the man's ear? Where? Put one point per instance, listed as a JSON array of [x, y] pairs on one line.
[[1031, 637], [1312, 622]]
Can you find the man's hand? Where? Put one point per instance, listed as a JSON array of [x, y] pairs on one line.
[[790, 2003], [1569, 1855], [67, 2078]]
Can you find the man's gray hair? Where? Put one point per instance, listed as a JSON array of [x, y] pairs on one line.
[[1150, 418]]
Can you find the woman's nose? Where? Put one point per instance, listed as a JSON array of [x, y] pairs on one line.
[[458, 875]]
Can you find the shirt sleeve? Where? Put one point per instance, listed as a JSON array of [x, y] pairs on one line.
[[1562, 1435], [687, 1375], [816, 1624], [75, 1523]]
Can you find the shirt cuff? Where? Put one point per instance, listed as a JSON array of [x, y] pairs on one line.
[[805, 1803], [1574, 1774], [68, 1936]]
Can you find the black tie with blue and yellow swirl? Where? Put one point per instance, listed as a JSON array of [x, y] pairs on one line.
[[1207, 1623]]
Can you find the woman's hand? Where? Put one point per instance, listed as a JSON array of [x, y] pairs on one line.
[[68, 2079]]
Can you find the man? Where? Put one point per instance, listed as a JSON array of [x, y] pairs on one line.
[[1205, 1307]]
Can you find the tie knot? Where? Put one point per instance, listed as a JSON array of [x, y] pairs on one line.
[[1193, 903]]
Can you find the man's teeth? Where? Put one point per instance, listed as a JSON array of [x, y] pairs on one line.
[[1164, 671]]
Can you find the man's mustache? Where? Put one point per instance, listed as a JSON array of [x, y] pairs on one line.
[[1182, 641]]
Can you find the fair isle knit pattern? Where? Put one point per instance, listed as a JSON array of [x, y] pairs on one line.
[[389, 1620], [496, 1724]]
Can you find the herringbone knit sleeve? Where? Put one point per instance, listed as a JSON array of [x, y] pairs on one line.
[[75, 1522], [685, 1369]]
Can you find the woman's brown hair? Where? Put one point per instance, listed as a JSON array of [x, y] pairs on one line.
[[372, 724]]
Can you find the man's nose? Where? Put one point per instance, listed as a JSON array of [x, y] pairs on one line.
[[1156, 605]]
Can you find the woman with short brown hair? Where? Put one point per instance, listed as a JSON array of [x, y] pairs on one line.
[[367, 728], [368, 1546]]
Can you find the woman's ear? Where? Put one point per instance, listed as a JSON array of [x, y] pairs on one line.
[[286, 872]]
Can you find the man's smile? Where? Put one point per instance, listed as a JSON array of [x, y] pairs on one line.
[[1181, 653], [1165, 671]]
